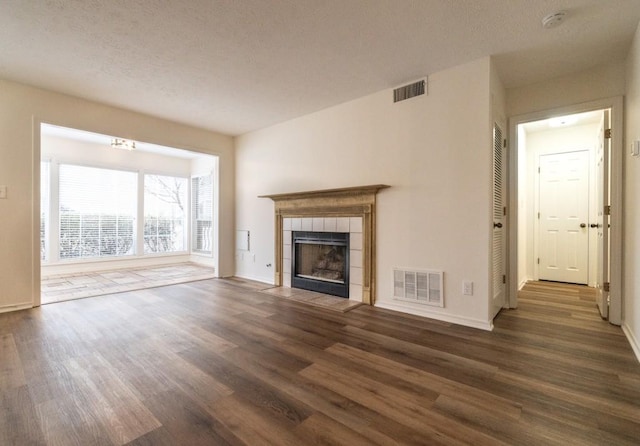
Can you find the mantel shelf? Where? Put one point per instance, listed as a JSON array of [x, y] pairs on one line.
[[327, 193]]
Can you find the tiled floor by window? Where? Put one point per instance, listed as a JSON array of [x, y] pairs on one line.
[[59, 288]]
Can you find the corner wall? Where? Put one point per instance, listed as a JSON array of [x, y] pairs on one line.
[[631, 237], [23, 107], [434, 151]]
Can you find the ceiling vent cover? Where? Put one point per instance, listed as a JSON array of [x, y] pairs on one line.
[[410, 91]]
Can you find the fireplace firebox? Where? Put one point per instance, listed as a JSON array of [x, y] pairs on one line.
[[320, 262]]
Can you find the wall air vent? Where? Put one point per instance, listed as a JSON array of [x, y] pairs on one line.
[[410, 91], [423, 287]]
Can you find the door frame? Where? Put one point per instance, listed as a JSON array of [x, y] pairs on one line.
[[617, 156]]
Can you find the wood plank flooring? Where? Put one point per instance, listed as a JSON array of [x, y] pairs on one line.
[[210, 363]]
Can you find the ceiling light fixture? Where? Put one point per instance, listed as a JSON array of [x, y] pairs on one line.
[[124, 144], [562, 121], [554, 19]]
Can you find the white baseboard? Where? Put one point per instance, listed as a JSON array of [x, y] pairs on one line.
[[635, 345], [270, 281], [16, 307], [522, 284], [460, 320]]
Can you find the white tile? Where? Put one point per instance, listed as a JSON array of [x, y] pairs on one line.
[[342, 224], [355, 241], [286, 267], [286, 224], [286, 237], [286, 252], [318, 225], [355, 276], [296, 224], [307, 224], [286, 280], [330, 224], [355, 224], [355, 292], [355, 258]]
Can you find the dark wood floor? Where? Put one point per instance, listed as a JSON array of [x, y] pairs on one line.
[[209, 363]]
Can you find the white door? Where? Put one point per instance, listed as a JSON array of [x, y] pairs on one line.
[[564, 212], [499, 220], [602, 184]]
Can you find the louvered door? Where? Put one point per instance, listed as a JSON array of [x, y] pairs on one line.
[[499, 221]]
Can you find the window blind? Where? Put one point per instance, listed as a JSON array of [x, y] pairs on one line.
[[97, 212], [202, 213], [44, 209]]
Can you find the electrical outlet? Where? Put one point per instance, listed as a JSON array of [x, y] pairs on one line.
[[467, 288]]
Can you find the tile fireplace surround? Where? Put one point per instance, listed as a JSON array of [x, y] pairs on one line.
[[351, 210]]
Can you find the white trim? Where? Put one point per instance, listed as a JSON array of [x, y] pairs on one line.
[[35, 217], [522, 284], [635, 345], [617, 155], [424, 312], [17, 307], [266, 281]]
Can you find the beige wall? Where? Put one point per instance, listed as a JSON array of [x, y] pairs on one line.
[[435, 153], [631, 267], [605, 81], [20, 107]]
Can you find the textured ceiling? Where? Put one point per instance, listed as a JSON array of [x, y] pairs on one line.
[[238, 65]]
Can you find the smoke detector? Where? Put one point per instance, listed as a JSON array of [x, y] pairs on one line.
[[554, 19]]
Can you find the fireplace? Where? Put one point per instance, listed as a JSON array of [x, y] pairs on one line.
[[348, 210], [320, 262]]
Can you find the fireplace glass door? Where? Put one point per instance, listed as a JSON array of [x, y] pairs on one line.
[[320, 262]]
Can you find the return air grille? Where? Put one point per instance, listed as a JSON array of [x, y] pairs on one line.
[[409, 91], [424, 287]]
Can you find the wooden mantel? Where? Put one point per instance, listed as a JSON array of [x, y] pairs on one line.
[[359, 201]]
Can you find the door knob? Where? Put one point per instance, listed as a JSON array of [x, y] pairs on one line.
[[497, 225], [593, 225], [583, 225]]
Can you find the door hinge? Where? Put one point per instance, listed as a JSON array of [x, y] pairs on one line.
[[606, 286], [504, 210], [607, 133], [504, 278], [538, 215], [538, 260], [504, 143], [607, 210], [538, 170]]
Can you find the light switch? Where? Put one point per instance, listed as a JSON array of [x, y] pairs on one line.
[[3, 192]]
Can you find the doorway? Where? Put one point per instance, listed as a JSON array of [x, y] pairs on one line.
[[109, 205], [558, 185]]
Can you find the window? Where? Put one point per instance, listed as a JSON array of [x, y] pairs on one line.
[[97, 212], [202, 214], [165, 200], [44, 209]]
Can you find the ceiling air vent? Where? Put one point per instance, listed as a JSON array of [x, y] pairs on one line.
[[410, 91]]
